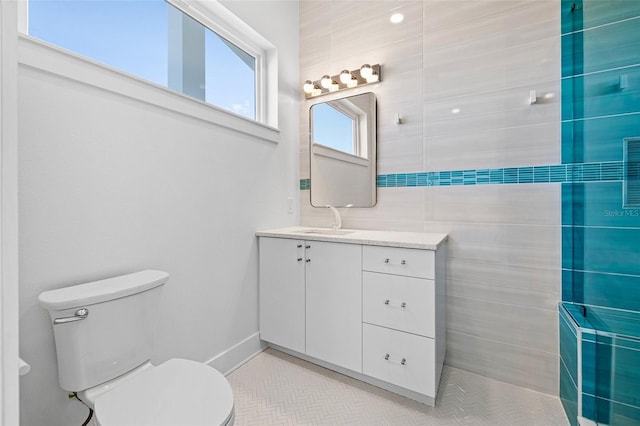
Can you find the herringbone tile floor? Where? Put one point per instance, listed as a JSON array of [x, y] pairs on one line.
[[277, 389]]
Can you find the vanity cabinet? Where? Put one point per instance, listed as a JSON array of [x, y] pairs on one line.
[[367, 307], [334, 301], [403, 334], [282, 292], [310, 299]]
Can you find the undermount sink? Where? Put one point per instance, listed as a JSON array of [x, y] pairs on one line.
[[327, 231]]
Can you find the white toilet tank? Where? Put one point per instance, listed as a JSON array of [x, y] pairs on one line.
[[103, 328]]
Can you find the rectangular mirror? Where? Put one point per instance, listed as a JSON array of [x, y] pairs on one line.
[[343, 152]]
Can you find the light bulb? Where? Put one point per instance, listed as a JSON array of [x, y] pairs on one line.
[[334, 87], [352, 83], [308, 86], [345, 76], [316, 91], [326, 81], [366, 71], [373, 78]]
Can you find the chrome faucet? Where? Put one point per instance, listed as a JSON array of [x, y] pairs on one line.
[[338, 219]]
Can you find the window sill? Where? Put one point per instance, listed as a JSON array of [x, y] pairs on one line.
[[325, 151], [44, 57]]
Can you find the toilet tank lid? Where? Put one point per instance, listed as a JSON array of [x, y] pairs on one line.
[[101, 291]]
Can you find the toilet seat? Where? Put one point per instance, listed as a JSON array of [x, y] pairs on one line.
[[177, 392]]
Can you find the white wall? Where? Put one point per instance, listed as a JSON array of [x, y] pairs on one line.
[[110, 185], [483, 57], [9, 384]]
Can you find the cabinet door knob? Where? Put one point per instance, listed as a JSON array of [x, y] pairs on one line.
[[404, 262], [386, 260], [308, 260], [388, 303], [299, 259], [307, 246], [403, 361], [299, 245]]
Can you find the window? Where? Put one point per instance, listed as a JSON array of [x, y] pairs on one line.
[[333, 128], [157, 41], [341, 124]]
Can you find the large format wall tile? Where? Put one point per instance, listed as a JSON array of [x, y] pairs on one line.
[[527, 367], [459, 71], [509, 204], [483, 58], [516, 325], [501, 283], [528, 245], [494, 147]]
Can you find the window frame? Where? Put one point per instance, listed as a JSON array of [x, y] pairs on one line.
[[214, 16]]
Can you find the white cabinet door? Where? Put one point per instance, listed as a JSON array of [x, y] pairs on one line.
[[400, 358], [282, 292], [334, 303], [402, 303]]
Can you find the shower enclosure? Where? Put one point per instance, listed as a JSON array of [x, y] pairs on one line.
[[599, 316]]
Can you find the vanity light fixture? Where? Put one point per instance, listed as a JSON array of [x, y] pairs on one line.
[[326, 81], [345, 76], [366, 71], [308, 86], [367, 74]]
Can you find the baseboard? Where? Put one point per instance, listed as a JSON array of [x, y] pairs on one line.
[[227, 361]]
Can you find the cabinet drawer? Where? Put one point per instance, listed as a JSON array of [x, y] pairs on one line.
[[399, 261], [383, 297], [383, 352]]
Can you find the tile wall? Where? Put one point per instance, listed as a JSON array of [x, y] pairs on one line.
[[600, 329], [454, 173], [600, 110]]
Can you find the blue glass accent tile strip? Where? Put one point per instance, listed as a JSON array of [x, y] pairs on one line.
[[608, 171], [558, 173]]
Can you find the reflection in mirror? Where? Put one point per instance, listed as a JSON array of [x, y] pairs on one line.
[[343, 152]]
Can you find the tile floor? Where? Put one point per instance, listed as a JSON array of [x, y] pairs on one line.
[[277, 389]]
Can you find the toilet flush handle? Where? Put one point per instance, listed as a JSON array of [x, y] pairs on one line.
[[80, 314]]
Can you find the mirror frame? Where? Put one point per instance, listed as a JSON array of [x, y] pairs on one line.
[[346, 166]]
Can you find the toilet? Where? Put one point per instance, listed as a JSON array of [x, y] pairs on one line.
[[104, 341]]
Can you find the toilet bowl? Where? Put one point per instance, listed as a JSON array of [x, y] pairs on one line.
[[104, 341], [176, 392]]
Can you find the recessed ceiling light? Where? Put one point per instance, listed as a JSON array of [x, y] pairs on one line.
[[455, 110], [396, 18]]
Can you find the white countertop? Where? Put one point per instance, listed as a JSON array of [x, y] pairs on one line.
[[416, 240]]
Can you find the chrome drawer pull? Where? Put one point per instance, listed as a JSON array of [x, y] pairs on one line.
[[80, 314], [387, 357], [402, 305]]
